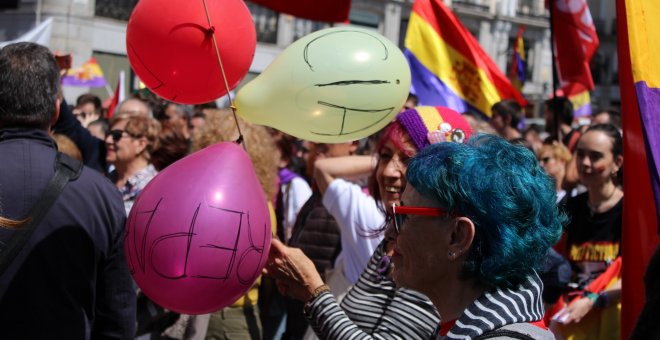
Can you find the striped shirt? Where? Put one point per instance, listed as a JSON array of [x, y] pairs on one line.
[[373, 309], [501, 307]]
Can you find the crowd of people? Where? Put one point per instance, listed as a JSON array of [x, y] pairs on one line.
[[444, 225]]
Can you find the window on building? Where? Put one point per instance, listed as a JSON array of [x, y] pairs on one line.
[[115, 9], [265, 21]]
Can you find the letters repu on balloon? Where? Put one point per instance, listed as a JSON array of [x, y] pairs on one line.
[[199, 233], [333, 85]]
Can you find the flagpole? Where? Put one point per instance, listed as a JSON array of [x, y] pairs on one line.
[[555, 75]]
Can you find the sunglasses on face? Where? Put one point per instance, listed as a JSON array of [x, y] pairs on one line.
[[400, 212], [117, 134]]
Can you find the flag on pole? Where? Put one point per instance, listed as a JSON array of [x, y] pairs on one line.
[[578, 94], [448, 66], [638, 28], [319, 10], [576, 41], [518, 61], [87, 75], [117, 97]]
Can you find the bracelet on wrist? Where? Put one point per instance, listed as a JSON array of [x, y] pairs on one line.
[[602, 301], [315, 293]]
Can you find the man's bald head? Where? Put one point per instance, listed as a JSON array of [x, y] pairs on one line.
[[134, 106]]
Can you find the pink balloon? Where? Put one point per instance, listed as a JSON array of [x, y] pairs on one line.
[[199, 233]]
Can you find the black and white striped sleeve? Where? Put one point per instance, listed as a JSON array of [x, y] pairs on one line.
[[373, 309]]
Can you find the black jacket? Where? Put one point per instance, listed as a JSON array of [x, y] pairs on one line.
[[316, 233], [70, 280]]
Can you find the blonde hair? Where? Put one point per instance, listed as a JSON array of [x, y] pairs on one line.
[[220, 127], [67, 146], [141, 126], [558, 150]]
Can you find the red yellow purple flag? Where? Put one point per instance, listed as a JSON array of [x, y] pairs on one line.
[[448, 66], [638, 28], [89, 74], [518, 61]]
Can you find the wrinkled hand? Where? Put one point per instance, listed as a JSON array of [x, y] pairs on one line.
[[295, 273], [578, 310]]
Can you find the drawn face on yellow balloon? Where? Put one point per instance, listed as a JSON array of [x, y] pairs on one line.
[[334, 85]]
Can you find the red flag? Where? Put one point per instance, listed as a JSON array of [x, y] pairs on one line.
[[319, 10], [576, 42], [114, 102], [117, 97]]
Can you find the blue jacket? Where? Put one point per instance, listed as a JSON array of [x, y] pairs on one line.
[[70, 280]]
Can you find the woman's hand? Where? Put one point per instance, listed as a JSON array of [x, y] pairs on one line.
[[295, 273], [578, 310]]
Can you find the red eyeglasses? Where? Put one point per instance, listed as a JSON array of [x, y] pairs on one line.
[[400, 211]]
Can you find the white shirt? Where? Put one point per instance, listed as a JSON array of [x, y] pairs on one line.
[[359, 218], [294, 196]]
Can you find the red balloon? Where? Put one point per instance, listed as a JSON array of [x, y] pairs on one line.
[[170, 47]]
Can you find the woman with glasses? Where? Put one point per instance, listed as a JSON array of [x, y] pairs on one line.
[[475, 221], [131, 141], [373, 308]]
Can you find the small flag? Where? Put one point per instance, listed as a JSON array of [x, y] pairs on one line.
[[519, 61], [87, 75], [117, 97]]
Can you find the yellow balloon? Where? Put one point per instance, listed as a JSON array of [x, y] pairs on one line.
[[334, 85]]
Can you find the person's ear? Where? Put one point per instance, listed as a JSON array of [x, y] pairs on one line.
[[56, 114], [354, 147], [142, 145], [462, 236]]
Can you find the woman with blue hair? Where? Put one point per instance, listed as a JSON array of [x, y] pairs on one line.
[[478, 218]]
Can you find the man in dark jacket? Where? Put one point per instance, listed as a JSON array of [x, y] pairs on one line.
[[69, 280]]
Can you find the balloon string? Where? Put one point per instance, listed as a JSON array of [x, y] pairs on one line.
[[211, 29]]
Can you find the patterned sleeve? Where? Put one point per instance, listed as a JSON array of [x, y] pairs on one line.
[[373, 309]]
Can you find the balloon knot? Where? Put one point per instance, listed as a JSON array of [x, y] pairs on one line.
[[212, 29], [233, 107], [239, 140]]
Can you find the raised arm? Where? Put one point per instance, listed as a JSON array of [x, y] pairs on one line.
[[92, 149], [348, 167]]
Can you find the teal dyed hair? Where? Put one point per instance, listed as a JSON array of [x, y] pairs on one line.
[[504, 191]]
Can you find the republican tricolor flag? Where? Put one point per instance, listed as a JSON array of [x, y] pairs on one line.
[[89, 74], [638, 30], [448, 66], [518, 61]]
